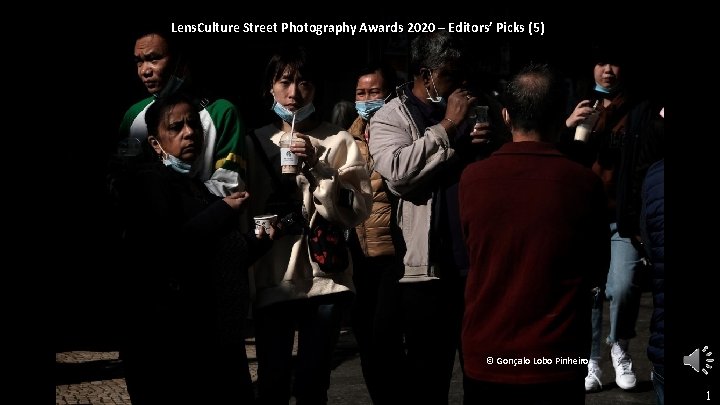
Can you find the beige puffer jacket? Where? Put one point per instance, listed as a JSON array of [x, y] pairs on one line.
[[373, 233]]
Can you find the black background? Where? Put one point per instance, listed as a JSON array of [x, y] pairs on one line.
[[92, 66]]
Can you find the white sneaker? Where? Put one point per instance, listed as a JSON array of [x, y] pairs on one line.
[[621, 361], [592, 381]]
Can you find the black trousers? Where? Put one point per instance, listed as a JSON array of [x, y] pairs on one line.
[[416, 336], [368, 275]]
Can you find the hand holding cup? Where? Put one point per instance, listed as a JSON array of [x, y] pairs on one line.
[[304, 149], [265, 225], [581, 111]]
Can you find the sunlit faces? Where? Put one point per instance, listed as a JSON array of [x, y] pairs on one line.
[[292, 91], [180, 133], [370, 87], [152, 58], [607, 75]]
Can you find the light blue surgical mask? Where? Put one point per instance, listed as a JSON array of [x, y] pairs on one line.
[[287, 115], [175, 163], [366, 109], [438, 99], [601, 89]]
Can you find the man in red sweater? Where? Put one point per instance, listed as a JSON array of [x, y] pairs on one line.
[[535, 229]]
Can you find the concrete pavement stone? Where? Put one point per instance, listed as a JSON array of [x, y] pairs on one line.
[[346, 382]]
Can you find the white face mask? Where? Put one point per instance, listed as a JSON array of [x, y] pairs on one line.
[[438, 99]]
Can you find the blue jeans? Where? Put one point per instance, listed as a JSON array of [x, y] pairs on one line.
[[597, 318], [658, 380], [621, 290], [318, 322]]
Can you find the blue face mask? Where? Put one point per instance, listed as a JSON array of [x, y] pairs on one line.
[[175, 163], [287, 115], [438, 99], [366, 109], [604, 90], [601, 89]]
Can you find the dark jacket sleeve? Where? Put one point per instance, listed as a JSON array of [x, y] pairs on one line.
[[256, 247], [643, 146], [218, 217], [162, 206], [581, 152]]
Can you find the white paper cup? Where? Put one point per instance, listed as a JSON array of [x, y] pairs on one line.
[[266, 221]]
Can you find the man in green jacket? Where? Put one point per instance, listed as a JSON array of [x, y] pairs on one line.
[[221, 165]]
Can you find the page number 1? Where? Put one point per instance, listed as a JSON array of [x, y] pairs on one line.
[[708, 395]]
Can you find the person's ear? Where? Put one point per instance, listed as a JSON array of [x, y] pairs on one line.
[[506, 118], [155, 145]]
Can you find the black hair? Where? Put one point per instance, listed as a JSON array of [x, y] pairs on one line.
[[175, 46], [181, 60], [614, 54], [535, 100], [157, 110], [388, 74], [294, 58]]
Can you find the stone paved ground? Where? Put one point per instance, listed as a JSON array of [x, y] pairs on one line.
[[108, 390], [100, 379]]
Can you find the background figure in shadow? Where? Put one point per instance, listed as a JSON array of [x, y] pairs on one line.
[[343, 114]]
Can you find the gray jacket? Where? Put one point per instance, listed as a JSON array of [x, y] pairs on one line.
[[409, 161]]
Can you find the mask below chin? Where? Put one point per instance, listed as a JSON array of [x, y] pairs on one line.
[[287, 115], [610, 91], [438, 101], [176, 164]]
